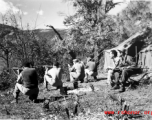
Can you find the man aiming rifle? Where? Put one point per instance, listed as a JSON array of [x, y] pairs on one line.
[[27, 83]]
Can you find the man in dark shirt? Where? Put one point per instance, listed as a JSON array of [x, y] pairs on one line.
[[27, 83], [128, 67]]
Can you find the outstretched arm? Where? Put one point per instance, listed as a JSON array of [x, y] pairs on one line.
[[131, 62], [19, 78], [117, 62], [71, 68]]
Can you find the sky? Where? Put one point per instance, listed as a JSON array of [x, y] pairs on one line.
[[39, 13]]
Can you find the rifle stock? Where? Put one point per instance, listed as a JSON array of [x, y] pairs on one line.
[[17, 70]]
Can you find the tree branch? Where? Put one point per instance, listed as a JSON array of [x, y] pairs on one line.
[[55, 31]]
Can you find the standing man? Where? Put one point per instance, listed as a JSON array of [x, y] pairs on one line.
[[77, 72], [27, 83], [91, 69], [54, 77]]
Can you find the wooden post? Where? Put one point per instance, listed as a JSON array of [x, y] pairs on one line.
[[136, 53]]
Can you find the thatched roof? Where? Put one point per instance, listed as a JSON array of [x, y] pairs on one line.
[[127, 43]]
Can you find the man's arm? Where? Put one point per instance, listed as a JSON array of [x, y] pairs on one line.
[[131, 61], [124, 63], [19, 78], [87, 65], [48, 73], [71, 68], [117, 62], [46, 70]]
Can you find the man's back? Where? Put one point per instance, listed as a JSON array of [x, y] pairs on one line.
[[56, 74], [91, 66], [29, 77], [79, 68]]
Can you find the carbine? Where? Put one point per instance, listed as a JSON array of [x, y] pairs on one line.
[[18, 70]]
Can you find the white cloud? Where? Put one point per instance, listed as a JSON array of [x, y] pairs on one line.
[[20, 12], [19, 5], [40, 12], [25, 13], [7, 6]]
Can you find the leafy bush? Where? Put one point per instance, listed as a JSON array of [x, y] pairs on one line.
[[7, 79]]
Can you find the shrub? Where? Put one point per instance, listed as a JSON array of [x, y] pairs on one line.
[[7, 79]]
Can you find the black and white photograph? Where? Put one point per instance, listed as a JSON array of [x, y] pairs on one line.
[[76, 59]]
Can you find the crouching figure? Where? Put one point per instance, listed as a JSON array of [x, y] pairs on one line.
[[54, 77], [91, 69], [77, 72], [27, 83]]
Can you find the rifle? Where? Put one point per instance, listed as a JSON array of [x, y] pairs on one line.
[[18, 70], [46, 66]]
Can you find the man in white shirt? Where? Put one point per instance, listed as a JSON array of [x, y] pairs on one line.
[[91, 69], [77, 72], [53, 77], [116, 60]]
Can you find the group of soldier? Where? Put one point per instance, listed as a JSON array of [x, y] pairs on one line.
[[27, 81], [124, 67]]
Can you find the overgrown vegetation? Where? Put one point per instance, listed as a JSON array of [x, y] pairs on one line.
[[91, 105], [91, 30]]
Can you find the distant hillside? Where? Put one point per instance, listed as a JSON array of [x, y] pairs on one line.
[[49, 33], [41, 33], [2, 26]]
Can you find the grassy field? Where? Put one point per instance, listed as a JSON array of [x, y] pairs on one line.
[[92, 104]]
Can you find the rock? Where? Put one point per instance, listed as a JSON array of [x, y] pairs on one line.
[[45, 118], [2, 95]]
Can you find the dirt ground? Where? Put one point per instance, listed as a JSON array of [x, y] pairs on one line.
[[92, 103]]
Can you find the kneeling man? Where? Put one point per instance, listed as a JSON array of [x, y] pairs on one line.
[[27, 83], [91, 69], [54, 77], [76, 72]]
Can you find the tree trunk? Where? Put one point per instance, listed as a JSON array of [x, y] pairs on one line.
[[7, 61], [56, 32]]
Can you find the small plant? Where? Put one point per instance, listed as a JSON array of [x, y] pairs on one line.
[[7, 80]]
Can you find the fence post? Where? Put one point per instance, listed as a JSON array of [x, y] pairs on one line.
[[136, 53]]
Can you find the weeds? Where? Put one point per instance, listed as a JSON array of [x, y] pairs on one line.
[[74, 107], [6, 80]]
